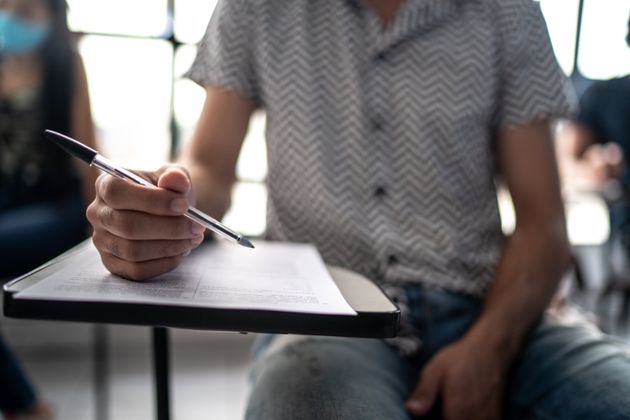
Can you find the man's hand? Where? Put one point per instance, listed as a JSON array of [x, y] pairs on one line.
[[140, 231], [467, 377], [605, 161]]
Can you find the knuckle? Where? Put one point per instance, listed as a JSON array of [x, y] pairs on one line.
[[104, 215], [91, 213], [112, 246], [110, 190], [102, 186]]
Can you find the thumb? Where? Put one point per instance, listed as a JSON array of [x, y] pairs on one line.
[[174, 178], [424, 396]]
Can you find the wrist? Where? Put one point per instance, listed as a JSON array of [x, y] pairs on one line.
[[501, 341]]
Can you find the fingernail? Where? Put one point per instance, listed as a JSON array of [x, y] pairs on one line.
[[197, 240], [416, 406], [197, 228], [179, 205]]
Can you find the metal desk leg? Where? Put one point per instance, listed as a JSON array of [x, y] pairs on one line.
[[100, 360], [161, 372]]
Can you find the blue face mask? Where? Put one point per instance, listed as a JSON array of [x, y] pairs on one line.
[[19, 36]]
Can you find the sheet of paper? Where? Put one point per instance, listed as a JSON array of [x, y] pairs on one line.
[[274, 276]]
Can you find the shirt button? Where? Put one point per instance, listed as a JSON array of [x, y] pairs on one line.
[[380, 192], [377, 124], [381, 57], [392, 260]]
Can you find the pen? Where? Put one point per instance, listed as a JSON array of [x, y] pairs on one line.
[[93, 158]]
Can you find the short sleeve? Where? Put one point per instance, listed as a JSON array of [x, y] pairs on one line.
[[225, 54], [533, 86]]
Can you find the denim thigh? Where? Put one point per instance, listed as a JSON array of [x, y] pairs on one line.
[[300, 377], [349, 378], [570, 372]]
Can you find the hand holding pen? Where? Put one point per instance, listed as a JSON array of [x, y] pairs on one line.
[[138, 225]]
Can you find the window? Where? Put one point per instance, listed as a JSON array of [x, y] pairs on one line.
[[120, 17], [562, 18], [191, 19], [135, 56], [130, 85], [603, 51]]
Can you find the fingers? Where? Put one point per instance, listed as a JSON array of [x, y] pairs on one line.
[[135, 225], [142, 251], [140, 231], [174, 178], [423, 398], [140, 270], [124, 195]]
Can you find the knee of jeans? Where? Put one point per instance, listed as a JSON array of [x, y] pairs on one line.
[[301, 379], [299, 360]]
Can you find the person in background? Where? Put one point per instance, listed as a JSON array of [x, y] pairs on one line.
[[594, 148], [388, 122], [43, 194], [43, 85], [594, 145]]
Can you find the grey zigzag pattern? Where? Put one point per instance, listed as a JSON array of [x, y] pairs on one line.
[[380, 144]]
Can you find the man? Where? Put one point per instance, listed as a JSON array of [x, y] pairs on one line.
[[386, 121], [593, 145]]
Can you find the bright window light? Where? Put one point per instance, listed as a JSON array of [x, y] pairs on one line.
[[123, 17], [561, 17], [191, 19], [604, 53], [130, 88]]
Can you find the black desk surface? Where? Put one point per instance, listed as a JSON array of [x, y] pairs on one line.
[[377, 316]]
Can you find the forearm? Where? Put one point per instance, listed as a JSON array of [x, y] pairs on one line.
[[526, 280], [212, 195], [211, 154]]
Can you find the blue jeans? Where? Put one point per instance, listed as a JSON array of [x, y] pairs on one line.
[[16, 393], [563, 372], [32, 234]]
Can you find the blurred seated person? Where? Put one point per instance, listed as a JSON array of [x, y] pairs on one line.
[[43, 194], [594, 148], [18, 399]]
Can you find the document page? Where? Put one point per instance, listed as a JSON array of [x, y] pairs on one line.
[[274, 276]]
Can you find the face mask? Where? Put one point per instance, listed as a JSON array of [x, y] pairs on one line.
[[19, 36]]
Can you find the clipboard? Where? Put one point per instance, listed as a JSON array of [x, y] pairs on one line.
[[377, 316]]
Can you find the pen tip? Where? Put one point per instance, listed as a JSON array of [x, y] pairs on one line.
[[245, 242]]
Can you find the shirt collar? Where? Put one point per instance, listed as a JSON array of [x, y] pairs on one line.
[[415, 16]]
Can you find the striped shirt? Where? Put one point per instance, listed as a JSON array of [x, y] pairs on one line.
[[381, 142]]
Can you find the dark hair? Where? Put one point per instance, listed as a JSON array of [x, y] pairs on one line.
[[58, 62]]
